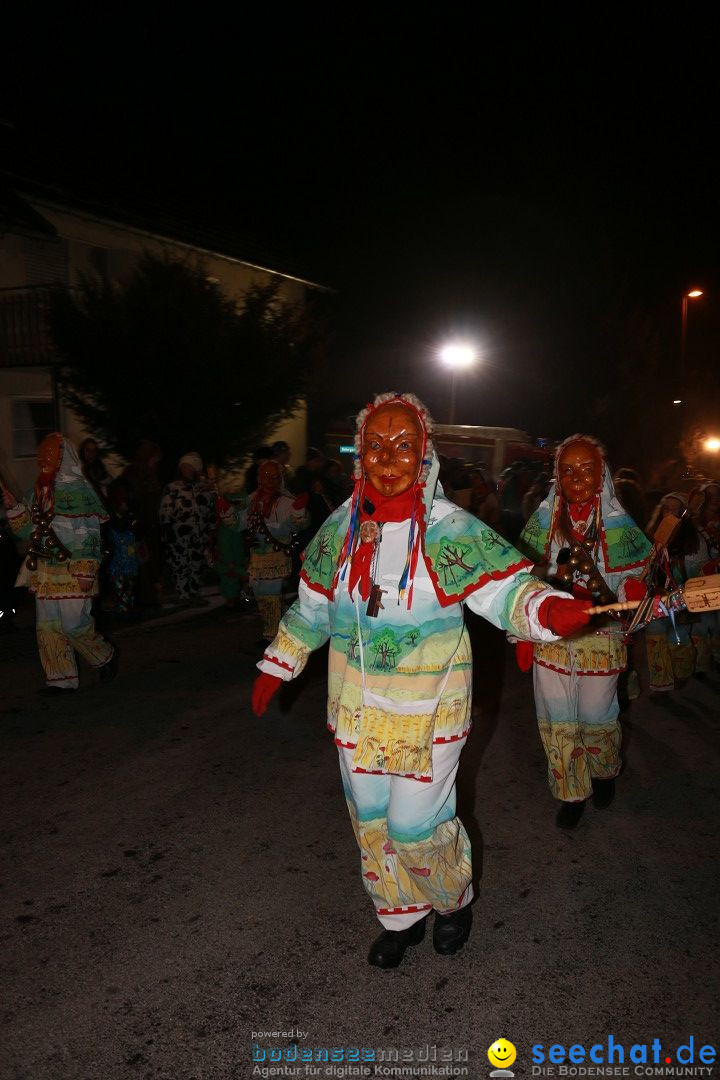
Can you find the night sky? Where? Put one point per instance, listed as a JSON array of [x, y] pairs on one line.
[[548, 190]]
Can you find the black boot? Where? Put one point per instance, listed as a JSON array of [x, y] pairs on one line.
[[450, 932], [569, 814], [603, 792], [388, 950]]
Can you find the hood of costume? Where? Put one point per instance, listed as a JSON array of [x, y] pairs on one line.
[[622, 543], [71, 494], [460, 553]]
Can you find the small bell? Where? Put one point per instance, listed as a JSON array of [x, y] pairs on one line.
[[31, 562]]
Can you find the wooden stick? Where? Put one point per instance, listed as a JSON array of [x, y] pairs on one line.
[[699, 594], [628, 605]]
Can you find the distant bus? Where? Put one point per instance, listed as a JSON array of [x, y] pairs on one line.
[[493, 448]]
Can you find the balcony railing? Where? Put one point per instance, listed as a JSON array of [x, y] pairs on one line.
[[24, 335]]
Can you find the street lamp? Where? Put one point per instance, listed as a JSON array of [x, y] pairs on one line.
[[693, 294], [457, 355]]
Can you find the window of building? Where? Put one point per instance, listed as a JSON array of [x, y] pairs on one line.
[[32, 420]]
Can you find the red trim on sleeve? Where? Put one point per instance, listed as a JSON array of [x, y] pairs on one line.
[[538, 592], [315, 587], [280, 663]]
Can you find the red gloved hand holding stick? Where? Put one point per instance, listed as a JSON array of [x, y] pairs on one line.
[[524, 654], [634, 589], [563, 617], [264, 687]]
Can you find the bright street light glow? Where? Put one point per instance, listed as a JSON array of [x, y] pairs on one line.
[[458, 354], [677, 401], [712, 444], [695, 293]]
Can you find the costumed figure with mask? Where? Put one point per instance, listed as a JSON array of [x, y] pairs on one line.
[[385, 580], [590, 546], [272, 518], [61, 519], [705, 507], [670, 650], [187, 517]]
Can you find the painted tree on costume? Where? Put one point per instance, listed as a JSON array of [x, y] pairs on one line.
[[324, 549], [386, 649], [451, 558], [492, 540]]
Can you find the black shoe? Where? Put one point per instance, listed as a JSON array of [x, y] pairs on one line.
[[110, 669], [388, 950], [55, 691], [603, 792], [569, 814], [450, 932]]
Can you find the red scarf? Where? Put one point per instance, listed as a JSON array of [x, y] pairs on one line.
[[580, 511], [385, 508]]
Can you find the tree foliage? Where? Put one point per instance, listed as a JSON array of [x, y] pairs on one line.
[[386, 648], [166, 355]]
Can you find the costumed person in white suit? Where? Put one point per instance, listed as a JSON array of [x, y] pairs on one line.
[[385, 580], [588, 544], [61, 518]]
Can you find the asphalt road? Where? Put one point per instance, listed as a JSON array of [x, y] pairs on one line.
[[178, 875]]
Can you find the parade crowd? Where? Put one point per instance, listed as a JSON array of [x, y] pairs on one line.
[[384, 565], [160, 543]]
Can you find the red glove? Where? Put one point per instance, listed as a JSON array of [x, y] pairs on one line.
[[710, 568], [263, 689], [301, 501], [563, 616], [524, 654], [634, 589]]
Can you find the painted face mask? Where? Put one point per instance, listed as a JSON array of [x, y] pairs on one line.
[[392, 448], [580, 470], [49, 455]]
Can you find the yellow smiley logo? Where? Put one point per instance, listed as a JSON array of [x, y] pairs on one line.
[[502, 1054]]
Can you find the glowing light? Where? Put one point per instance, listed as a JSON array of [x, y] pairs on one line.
[[694, 293], [677, 401], [712, 445], [458, 354]]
